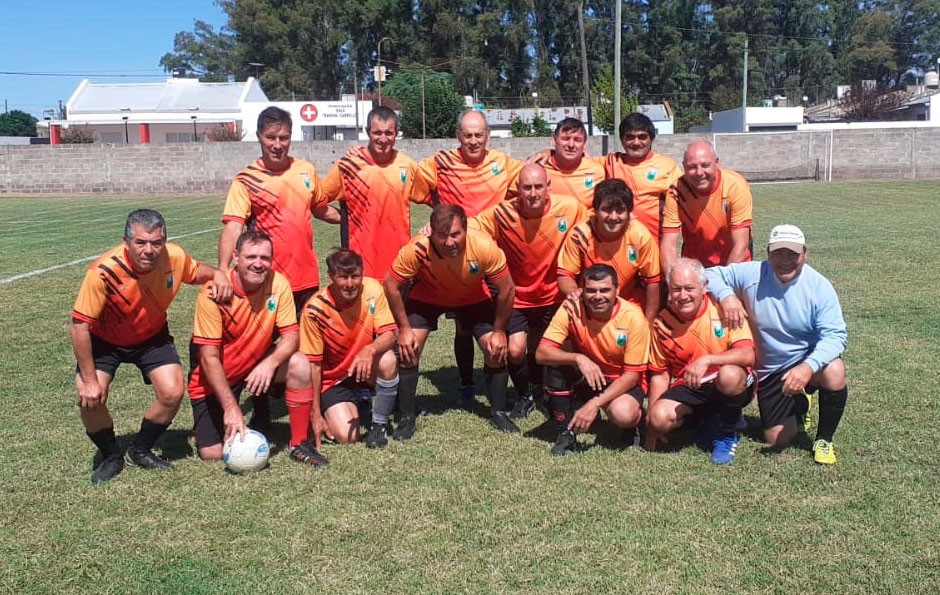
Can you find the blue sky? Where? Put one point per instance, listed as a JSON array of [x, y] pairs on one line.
[[95, 39]]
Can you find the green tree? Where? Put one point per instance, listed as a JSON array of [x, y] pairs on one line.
[[538, 128], [17, 123], [436, 116], [205, 53], [602, 100]]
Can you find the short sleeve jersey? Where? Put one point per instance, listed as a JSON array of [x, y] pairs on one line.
[[280, 204], [578, 182], [635, 257], [473, 187], [649, 180], [531, 245], [378, 200], [706, 223], [453, 280], [125, 308], [244, 329], [676, 342], [617, 345], [334, 336]]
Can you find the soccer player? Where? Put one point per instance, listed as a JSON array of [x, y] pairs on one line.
[[347, 333], [233, 348], [377, 184], [570, 171], [648, 174], [711, 207], [120, 317], [474, 177], [530, 230], [597, 348], [611, 236], [795, 314], [697, 364], [448, 270]]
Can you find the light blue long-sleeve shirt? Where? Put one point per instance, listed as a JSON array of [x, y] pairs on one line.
[[792, 322]]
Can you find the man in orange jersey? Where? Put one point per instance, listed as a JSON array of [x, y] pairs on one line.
[[530, 230], [476, 178], [698, 365], [597, 348], [570, 171], [347, 333], [277, 194], [377, 183], [648, 174], [120, 316], [448, 270], [711, 207], [612, 236], [233, 348]]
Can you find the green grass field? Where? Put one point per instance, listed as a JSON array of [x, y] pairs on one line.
[[460, 508]]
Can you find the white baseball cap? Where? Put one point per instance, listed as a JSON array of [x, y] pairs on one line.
[[786, 236]]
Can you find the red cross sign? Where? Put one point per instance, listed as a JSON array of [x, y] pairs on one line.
[[308, 112]]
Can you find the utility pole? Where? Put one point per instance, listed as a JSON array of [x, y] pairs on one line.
[[584, 70], [617, 35], [744, 90]]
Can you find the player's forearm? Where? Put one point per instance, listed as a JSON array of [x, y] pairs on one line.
[[618, 387], [214, 373], [316, 382], [227, 240], [668, 250], [284, 349], [204, 274], [736, 356], [548, 355], [396, 303], [566, 285], [383, 342], [328, 214], [80, 333], [652, 301], [740, 242], [503, 308], [659, 383]]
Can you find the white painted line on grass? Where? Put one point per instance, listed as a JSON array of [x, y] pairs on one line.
[[56, 267]]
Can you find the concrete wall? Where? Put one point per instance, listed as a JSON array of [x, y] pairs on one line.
[[194, 168]]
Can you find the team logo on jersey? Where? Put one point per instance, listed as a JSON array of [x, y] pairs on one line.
[[495, 168], [589, 182], [474, 266], [562, 225], [272, 304], [169, 281], [403, 174], [306, 178], [651, 174], [718, 329], [621, 339], [372, 306], [631, 254]]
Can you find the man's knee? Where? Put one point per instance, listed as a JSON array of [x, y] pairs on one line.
[[625, 412], [731, 380], [833, 376], [211, 453], [517, 348], [298, 371], [663, 416], [781, 435], [387, 368], [168, 385]]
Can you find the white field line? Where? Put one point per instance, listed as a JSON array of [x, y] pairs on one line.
[[56, 267]]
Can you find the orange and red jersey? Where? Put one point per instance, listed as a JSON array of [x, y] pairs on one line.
[[450, 281], [649, 180], [677, 343], [706, 223], [473, 187], [617, 345], [334, 336], [125, 308], [531, 245], [378, 200], [634, 255], [280, 204], [578, 182], [243, 329]]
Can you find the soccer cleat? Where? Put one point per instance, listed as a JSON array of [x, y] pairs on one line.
[[524, 406], [824, 452], [564, 444], [805, 421], [145, 459], [377, 436], [501, 421], [109, 468], [723, 449], [406, 428], [467, 396], [306, 453]]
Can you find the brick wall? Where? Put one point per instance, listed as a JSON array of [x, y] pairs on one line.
[[209, 167]]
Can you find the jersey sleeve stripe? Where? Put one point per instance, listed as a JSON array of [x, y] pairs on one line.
[[82, 318], [387, 328], [207, 341], [546, 341], [291, 328]]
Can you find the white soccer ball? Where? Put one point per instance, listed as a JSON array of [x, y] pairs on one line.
[[245, 456]]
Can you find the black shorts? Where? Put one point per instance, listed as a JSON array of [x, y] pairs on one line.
[[775, 407], [531, 320], [301, 297], [208, 424], [706, 397], [478, 317], [346, 391], [159, 350], [569, 378]]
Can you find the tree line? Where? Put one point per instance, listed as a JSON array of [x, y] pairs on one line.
[[503, 52]]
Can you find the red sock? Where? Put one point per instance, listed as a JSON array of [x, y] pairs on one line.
[[299, 405]]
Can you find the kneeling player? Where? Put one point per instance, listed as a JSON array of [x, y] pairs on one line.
[[698, 365], [607, 341], [233, 349], [347, 333]]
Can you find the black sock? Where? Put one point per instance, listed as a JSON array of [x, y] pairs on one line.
[[800, 405], [463, 353], [407, 390], [261, 409], [149, 433], [831, 408], [106, 441], [496, 381], [520, 377], [729, 411], [561, 411]]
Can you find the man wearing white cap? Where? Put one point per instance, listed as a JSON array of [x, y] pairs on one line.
[[797, 321]]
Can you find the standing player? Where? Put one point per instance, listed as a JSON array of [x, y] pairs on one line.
[[570, 171], [597, 348], [120, 317], [449, 269], [347, 333], [649, 175], [611, 236], [530, 230], [697, 364], [233, 348], [711, 207]]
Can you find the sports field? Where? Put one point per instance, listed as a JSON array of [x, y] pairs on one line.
[[460, 508]]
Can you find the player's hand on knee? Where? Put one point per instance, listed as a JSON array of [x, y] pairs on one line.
[[361, 367], [695, 373], [259, 380], [408, 347], [91, 395], [591, 372], [497, 347], [796, 378]]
